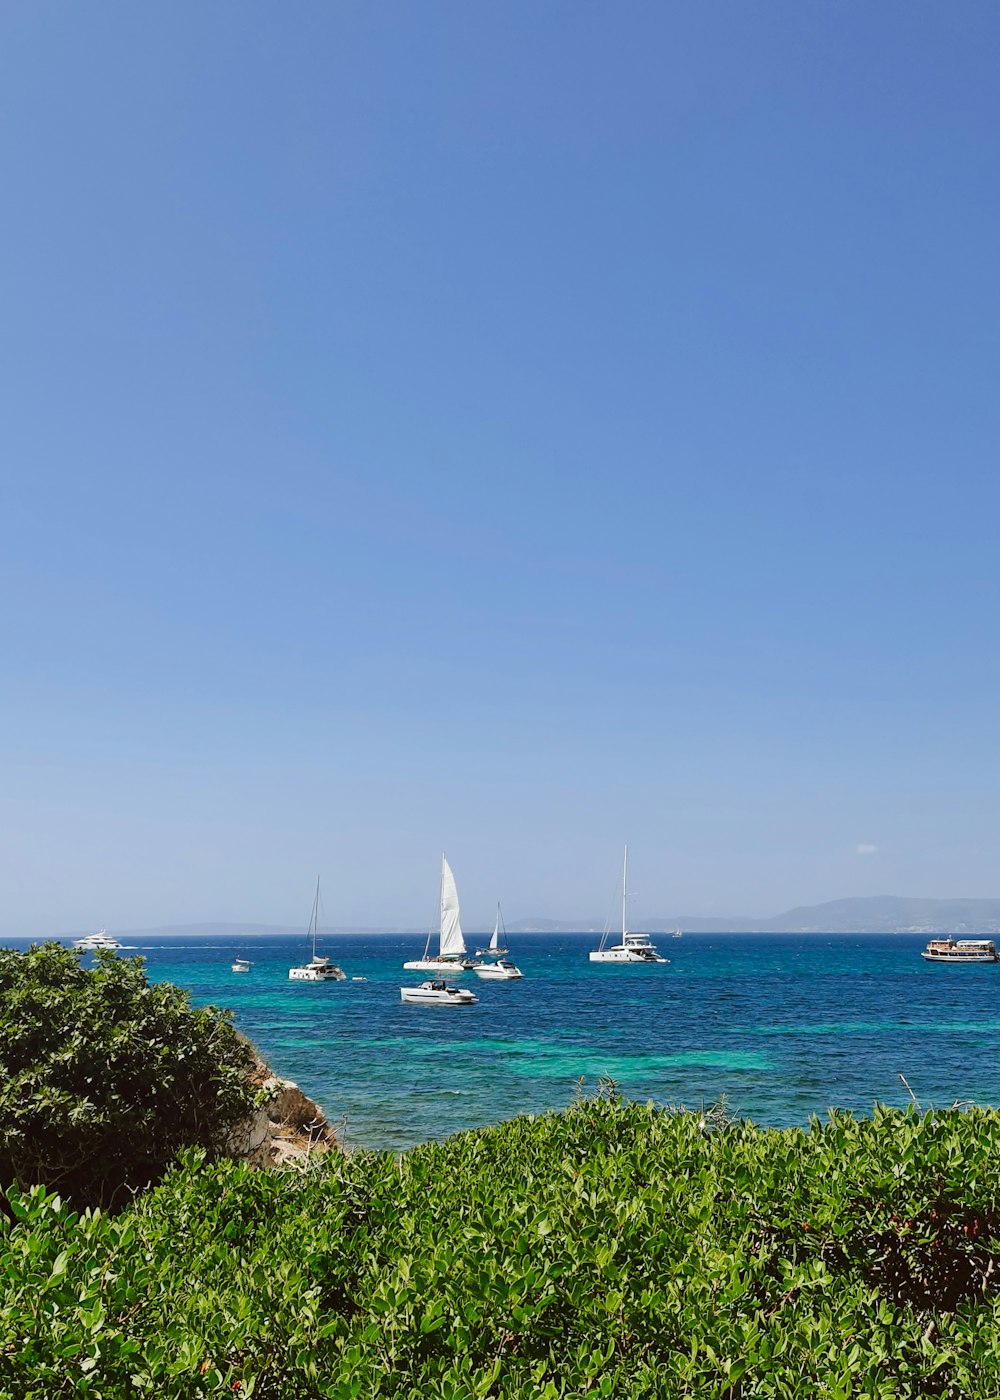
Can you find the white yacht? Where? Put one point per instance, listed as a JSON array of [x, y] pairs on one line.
[[634, 947], [501, 969], [451, 955], [317, 969], [241, 965], [962, 950], [94, 941], [438, 993]]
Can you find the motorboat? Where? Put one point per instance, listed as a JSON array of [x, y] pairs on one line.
[[962, 950], [94, 942], [452, 954], [241, 965], [438, 993], [634, 947], [317, 969], [501, 969]]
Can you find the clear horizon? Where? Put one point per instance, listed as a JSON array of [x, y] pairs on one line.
[[515, 431], [584, 926]]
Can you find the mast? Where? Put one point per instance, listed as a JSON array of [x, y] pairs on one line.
[[315, 917], [625, 894], [444, 867]]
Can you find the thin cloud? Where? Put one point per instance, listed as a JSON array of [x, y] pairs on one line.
[[864, 849]]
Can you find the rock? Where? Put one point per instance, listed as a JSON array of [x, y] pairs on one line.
[[287, 1127], [250, 1140]]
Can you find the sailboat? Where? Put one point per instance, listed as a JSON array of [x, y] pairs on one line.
[[317, 969], [501, 968], [451, 955], [634, 947]]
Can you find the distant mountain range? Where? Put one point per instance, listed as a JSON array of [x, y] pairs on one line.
[[884, 913], [872, 914]]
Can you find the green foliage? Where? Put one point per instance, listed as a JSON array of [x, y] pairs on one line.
[[104, 1078], [610, 1251]]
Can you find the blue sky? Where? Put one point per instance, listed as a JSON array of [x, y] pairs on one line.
[[507, 429]]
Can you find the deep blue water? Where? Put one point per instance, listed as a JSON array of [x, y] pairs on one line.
[[785, 1025]]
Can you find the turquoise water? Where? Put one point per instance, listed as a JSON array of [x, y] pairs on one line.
[[784, 1025]]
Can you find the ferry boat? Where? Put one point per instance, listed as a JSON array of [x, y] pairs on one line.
[[962, 950]]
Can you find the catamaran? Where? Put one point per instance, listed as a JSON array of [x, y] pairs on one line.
[[451, 955], [317, 969], [634, 947], [501, 969]]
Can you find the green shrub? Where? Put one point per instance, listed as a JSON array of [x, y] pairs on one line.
[[610, 1251], [104, 1077]]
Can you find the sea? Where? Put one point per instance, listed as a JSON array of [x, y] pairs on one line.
[[783, 1026]]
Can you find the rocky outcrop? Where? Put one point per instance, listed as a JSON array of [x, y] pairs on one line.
[[287, 1128]]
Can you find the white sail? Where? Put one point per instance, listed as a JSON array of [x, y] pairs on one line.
[[452, 942], [495, 940]]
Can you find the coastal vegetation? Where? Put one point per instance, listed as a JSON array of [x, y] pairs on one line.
[[611, 1250], [105, 1077]]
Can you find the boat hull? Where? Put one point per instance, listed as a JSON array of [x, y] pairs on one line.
[[439, 965], [961, 959], [438, 996], [625, 955], [311, 974]]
